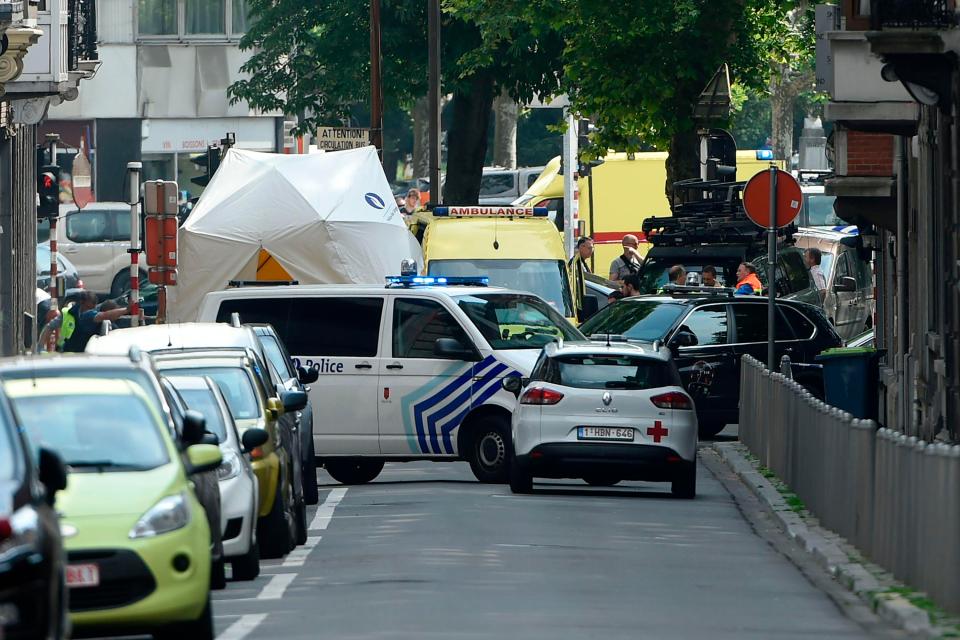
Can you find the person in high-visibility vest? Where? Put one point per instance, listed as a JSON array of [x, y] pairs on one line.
[[747, 281]]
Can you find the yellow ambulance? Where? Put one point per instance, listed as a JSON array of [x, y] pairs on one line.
[[627, 189], [516, 247]]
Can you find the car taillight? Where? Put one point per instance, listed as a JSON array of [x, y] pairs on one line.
[[672, 400], [539, 395], [6, 529]]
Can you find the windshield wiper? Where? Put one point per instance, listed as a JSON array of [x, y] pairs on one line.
[[100, 465]]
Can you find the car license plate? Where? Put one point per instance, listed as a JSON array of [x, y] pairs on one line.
[[605, 433], [83, 575]]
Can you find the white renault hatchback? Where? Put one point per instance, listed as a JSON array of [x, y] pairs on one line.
[[604, 412]]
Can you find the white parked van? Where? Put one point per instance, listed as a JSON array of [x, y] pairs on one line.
[[406, 372]]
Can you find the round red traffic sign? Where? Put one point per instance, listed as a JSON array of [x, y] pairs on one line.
[[756, 198]]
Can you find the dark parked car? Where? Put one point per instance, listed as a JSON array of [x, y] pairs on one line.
[[65, 270], [708, 332], [294, 379], [33, 595]]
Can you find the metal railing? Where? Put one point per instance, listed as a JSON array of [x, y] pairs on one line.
[[82, 35], [914, 14], [894, 498]]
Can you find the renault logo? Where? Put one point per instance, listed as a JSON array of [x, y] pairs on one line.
[[607, 398]]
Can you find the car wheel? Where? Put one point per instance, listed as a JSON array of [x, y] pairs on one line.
[[199, 629], [247, 566], [685, 484], [710, 429], [218, 575], [601, 481], [354, 470], [488, 450], [311, 495], [121, 282], [520, 479], [273, 530]]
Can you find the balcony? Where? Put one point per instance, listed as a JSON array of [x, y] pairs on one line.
[[913, 14], [65, 54]]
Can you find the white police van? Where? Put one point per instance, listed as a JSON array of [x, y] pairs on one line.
[[409, 371]]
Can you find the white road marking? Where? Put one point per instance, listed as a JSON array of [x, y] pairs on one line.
[[298, 556], [325, 510], [242, 627], [277, 585]]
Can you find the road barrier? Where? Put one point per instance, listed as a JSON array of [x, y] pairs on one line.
[[893, 497]]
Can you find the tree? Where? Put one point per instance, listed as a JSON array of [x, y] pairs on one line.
[[312, 58], [638, 67]]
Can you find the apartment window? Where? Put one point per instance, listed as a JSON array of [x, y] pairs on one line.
[[192, 19]]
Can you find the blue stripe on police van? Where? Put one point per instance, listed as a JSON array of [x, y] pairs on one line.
[[412, 398], [455, 422], [440, 396]]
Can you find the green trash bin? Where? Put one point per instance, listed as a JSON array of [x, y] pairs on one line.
[[850, 379]]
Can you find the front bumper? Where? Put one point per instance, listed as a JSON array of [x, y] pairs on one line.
[[139, 586], [649, 463], [238, 502]]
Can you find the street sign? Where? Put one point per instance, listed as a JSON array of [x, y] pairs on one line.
[[756, 198], [341, 138]]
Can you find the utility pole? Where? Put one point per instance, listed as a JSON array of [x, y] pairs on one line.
[[376, 81], [433, 51]]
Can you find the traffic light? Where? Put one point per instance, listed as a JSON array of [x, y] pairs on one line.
[[48, 190], [210, 161]]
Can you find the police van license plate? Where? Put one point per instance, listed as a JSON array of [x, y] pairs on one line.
[[83, 575], [605, 433]]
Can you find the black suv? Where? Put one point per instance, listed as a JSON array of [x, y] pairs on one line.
[[708, 332], [33, 595]]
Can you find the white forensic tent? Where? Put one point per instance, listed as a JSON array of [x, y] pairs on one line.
[[326, 218]]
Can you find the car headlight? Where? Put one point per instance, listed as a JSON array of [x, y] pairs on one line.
[[169, 514], [20, 533], [230, 467]]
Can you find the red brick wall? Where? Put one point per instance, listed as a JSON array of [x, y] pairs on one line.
[[869, 154]]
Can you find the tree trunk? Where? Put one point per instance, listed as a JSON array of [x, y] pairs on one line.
[[421, 137], [782, 98], [467, 140], [505, 112]]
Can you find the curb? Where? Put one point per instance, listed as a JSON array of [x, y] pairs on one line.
[[824, 547]]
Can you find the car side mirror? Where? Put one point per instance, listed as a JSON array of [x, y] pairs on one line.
[[52, 473], [845, 284], [203, 458], [194, 427], [453, 349], [512, 384], [252, 438], [684, 338], [589, 306], [209, 438], [306, 376], [293, 400]]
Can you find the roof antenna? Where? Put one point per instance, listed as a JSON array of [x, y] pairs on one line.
[[496, 243], [608, 337]]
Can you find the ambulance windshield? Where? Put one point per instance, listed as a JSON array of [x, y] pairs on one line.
[[546, 278], [516, 321]]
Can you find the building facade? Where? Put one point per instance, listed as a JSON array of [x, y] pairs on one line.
[[160, 96], [894, 90]]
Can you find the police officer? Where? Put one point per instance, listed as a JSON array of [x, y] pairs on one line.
[[79, 320], [579, 267]]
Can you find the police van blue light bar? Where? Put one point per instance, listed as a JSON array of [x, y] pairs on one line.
[[764, 154], [490, 212], [427, 281]]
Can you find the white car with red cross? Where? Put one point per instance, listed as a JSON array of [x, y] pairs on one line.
[[604, 412]]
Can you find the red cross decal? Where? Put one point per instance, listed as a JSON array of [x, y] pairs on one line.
[[657, 431]]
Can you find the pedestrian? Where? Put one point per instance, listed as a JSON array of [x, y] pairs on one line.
[[630, 285], [79, 321], [411, 203], [709, 276], [613, 296], [677, 275], [579, 268], [629, 261], [747, 281], [813, 257]]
